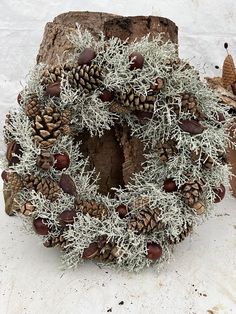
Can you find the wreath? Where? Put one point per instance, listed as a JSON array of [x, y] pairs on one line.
[[106, 84]]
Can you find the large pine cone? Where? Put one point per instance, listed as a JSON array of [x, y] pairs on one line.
[[32, 107], [46, 127], [191, 191], [135, 101], [166, 150], [49, 188], [92, 208], [146, 221]]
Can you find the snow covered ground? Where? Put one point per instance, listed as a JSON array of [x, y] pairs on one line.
[[202, 276]]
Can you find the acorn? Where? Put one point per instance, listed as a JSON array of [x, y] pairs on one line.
[[4, 176], [107, 95], [40, 226], [154, 251], [157, 85], [122, 210], [219, 193], [91, 251], [137, 61], [53, 90], [67, 184], [67, 217], [191, 126], [170, 185], [86, 56], [62, 161]]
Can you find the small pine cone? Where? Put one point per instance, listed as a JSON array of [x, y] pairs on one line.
[[32, 108], [141, 202], [177, 64], [51, 75], [65, 122], [166, 150], [199, 207], [14, 182], [187, 229], [27, 209], [46, 127], [7, 135], [49, 188], [92, 208], [45, 160], [102, 250], [135, 101], [59, 241], [206, 161], [86, 77], [190, 104], [118, 108], [191, 191], [146, 221]]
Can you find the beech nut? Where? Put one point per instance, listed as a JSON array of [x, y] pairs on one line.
[[154, 251], [62, 161], [86, 56], [219, 193], [191, 126], [67, 217], [170, 185], [40, 226], [122, 210], [53, 90], [137, 61]]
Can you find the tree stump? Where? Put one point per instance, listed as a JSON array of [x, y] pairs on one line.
[[116, 155]]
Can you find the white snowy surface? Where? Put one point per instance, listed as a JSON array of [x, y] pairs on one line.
[[202, 276]]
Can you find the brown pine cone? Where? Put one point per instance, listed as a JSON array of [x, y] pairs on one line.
[[206, 161], [13, 149], [134, 101], [49, 188], [187, 229], [102, 250], [166, 150], [191, 191], [176, 64], [92, 208], [87, 77], [65, 122], [32, 107], [45, 160], [51, 75], [146, 221], [46, 127], [59, 241], [14, 182], [141, 202], [27, 209]]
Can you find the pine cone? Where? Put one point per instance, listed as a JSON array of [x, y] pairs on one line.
[[46, 127], [191, 191], [92, 208], [190, 104], [52, 74], [87, 77], [27, 209], [14, 182], [206, 161], [166, 150], [146, 221], [32, 108], [176, 64], [141, 202], [187, 229], [102, 250], [59, 241], [66, 121], [135, 101], [45, 160], [46, 186]]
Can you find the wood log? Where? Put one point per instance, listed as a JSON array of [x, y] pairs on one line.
[[116, 155]]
